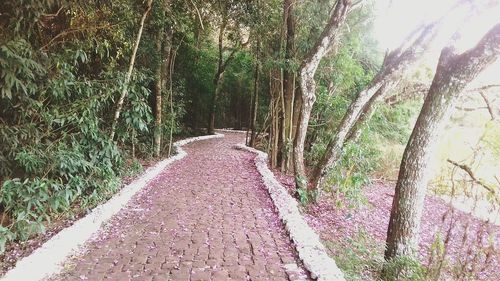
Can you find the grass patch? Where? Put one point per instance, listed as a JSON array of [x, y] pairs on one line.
[[359, 257]]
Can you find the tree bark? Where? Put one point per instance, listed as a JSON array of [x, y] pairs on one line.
[[163, 41], [124, 92], [308, 85], [255, 99], [453, 73], [158, 93], [288, 85]]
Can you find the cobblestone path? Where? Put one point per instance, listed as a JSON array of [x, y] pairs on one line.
[[206, 217]]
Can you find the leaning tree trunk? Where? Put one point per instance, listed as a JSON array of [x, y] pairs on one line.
[[124, 92], [397, 64], [453, 74], [334, 148], [308, 85]]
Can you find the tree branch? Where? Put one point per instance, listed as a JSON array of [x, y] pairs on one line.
[[74, 30], [488, 105], [484, 88], [468, 170], [199, 15]]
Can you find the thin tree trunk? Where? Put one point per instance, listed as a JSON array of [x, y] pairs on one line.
[[281, 119], [219, 75], [213, 103], [134, 140], [334, 148], [308, 85], [288, 85], [255, 99], [162, 48], [297, 108], [158, 94], [276, 130], [453, 74], [124, 92], [171, 67]]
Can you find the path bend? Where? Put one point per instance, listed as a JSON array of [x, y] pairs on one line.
[[206, 217]]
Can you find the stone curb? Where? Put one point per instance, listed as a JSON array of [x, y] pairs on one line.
[[49, 258], [230, 131], [311, 251]]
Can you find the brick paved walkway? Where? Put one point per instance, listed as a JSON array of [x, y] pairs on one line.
[[207, 217]]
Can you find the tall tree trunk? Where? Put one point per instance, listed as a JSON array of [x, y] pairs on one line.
[[255, 99], [163, 38], [219, 75], [297, 108], [288, 85], [275, 89], [213, 103], [308, 85], [454, 72], [124, 92], [218, 78], [158, 94]]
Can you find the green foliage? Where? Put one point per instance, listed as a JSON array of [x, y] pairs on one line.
[[352, 172], [55, 104], [359, 256], [197, 79], [403, 268], [306, 196], [437, 258], [390, 128], [339, 79], [395, 122]]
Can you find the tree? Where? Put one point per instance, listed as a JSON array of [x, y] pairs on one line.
[[255, 98], [308, 85], [397, 64], [227, 11], [128, 76], [288, 84], [163, 48], [454, 72]]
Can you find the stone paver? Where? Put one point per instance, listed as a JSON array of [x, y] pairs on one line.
[[207, 217]]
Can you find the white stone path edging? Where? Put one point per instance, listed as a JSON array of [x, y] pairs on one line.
[[49, 258], [231, 131], [311, 251]]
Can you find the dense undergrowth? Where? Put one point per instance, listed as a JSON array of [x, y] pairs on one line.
[[62, 68]]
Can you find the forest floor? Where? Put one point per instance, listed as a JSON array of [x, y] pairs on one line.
[[472, 244], [206, 217]]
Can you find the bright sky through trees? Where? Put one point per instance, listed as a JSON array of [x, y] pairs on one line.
[[395, 19]]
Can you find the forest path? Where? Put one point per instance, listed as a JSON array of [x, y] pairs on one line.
[[206, 217]]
